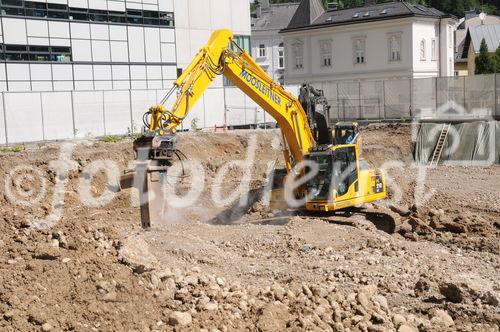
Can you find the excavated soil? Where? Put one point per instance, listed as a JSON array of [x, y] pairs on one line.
[[243, 267]]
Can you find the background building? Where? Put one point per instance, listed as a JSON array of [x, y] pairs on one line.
[[267, 44], [377, 41], [471, 19], [472, 43], [76, 68]]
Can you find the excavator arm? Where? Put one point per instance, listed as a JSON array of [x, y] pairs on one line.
[[221, 56]]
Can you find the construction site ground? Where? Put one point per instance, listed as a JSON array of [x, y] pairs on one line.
[[207, 268]]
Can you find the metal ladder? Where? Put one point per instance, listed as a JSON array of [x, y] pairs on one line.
[[440, 144]]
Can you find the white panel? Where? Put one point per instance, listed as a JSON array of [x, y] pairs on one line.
[[41, 72], [150, 7], [118, 32], [37, 28], [102, 72], [198, 112], [120, 72], [141, 101], [116, 6], [57, 116], [18, 72], [136, 44], [152, 44], [169, 72], [81, 50], [154, 72], [84, 85], [166, 5], [235, 116], [14, 31], [63, 2], [214, 107], [89, 116], [137, 85], [103, 85], [97, 4], [167, 35], [240, 17], [62, 72], [60, 42], [23, 108], [63, 85], [199, 14], [155, 84], [168, 53], [77, 3], [119, 51], [2, 72], [221, 13], [100, 51], [99, 31], [182, 46], [138, 72], [117, 112], [83, 72], [19, 86], [59, 29], [121, 85], [80, 30], [133, 5], [38, 41], [3, 86], [2, 125], [41, 86]]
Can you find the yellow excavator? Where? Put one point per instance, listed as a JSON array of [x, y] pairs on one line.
[[340, 182]]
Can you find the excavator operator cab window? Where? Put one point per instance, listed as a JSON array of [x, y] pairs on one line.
[[345, 171]]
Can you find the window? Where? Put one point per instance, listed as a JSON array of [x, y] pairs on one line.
[[422, 50], [433, 50], [326, 53], [35, 53], [298, 56], [281, 56], [395, 48], [262, 51], [62, 12], [359, 51]]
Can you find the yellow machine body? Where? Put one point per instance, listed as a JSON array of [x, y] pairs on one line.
[[221, 56]]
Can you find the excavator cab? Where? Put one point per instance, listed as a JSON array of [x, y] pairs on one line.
[[346, 133]]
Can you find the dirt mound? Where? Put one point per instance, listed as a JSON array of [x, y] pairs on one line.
[[210, 267]]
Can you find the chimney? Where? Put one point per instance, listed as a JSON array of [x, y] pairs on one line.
[[370, 2], [332, 6]]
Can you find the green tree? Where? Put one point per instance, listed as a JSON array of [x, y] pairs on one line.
[[484, 62], [497, 60]]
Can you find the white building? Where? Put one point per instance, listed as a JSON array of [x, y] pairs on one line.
[[377, 41], [72, 68], [267, 44]]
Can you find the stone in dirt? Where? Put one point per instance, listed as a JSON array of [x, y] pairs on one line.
[[451, 292], [407, 328], [273, 317], [180, 318], [441, 317]]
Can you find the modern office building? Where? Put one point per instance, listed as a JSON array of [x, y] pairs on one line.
[[106, 59]]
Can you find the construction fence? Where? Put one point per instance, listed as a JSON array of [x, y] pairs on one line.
[[453, 98], [59, 115]]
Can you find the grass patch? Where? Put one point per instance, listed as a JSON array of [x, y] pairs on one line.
[[112, 138], [12, 149]]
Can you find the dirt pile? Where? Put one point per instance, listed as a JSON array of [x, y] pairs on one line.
[[212, 268]]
